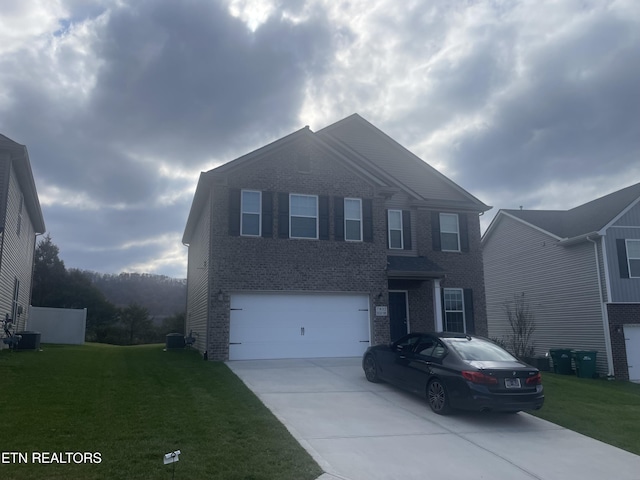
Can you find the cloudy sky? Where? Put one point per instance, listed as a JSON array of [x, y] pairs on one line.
[[122, 103]]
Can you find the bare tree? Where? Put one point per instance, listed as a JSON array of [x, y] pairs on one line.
[[522, 322]]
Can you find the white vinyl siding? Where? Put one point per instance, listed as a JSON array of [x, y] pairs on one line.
[[449, 232], [303, 216], [395, 230], [633, 258], [198, 279], [353, 219], [17, 255], [454, 310], [251, 206]]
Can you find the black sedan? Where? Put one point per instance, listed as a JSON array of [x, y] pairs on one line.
[[456, 371]]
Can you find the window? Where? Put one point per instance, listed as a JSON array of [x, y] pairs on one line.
[[633, 257], [395, 229], [250, 207], [454, 310], [449, 232], [353, 219], [303, 216]]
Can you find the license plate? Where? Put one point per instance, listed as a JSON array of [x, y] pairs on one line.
[[512, 382]]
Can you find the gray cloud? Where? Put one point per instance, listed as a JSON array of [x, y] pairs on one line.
[[121, 105]]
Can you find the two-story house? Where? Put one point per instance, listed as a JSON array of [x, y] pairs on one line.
[[579, 271], [322, 243], [20, 221]]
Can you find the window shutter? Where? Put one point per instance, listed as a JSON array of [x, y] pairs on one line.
[[234, 212], [283, 215], [367, 220], [406, 229], [338, 217], [463, 228], [622, 258], [323, 217], [387, 234], [267, 214], [435, 231], [468, 311]]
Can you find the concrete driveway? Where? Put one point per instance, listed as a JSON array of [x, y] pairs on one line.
[[357, 430]]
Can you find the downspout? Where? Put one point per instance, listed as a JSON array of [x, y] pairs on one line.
[[605, 316]]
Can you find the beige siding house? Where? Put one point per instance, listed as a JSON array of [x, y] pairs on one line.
[[20, 221], [579, 271]]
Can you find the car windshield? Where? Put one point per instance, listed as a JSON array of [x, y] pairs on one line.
[[476, 349]]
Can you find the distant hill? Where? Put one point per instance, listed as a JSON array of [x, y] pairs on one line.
[[163, 296]]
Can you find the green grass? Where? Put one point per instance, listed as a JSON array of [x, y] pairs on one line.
[[605, 410], [133, 405]]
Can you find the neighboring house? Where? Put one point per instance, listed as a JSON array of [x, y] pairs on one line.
[[579, 271], [20, 221], [322, 243]]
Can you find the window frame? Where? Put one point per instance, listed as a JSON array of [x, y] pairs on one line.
[[291, 216], [445, 311], [399, 212], [347, 219], [636, 270], [443, 231], [243, 213]]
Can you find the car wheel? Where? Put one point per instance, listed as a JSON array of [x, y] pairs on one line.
[[437, 397], [371, 369]]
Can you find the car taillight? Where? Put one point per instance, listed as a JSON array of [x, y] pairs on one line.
[[479, 377], [535, 380]]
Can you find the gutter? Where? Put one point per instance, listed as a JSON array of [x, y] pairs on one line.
[[605, 316]]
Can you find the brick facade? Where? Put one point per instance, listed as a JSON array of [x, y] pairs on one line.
[[272, 264], [621, 314]]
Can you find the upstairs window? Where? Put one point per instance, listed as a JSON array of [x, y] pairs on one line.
[[633, 258], [353, 219], [303, 216], [395, 229], [251, 206], [449, 232]]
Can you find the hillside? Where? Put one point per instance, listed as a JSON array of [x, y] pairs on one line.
[[163, 296]]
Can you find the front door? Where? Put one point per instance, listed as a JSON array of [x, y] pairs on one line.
[[398, 318]]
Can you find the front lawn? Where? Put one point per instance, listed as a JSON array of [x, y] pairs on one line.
[[606, 410], [127, 407]]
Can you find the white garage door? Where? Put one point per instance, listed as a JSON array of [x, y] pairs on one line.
[[632, 342], [298, 326]]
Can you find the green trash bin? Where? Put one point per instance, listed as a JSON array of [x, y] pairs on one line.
[[585, 363], [561, 361]]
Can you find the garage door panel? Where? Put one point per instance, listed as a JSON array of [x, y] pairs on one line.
[[298, 326], [632, 343]]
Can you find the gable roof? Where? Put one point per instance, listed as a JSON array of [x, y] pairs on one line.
[[19, 158], [360, 139], [367, 150], [591, 217]]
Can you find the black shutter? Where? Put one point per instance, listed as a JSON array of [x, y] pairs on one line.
[[406, 229], [387, 234], [338, 218], [283, 215], [435, 231], [622, 258], [463, 228], [323, 217], [234, 212], [468, 311], [367, 220], [267, 214]]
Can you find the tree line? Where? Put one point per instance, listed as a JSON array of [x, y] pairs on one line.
[[123, 309]]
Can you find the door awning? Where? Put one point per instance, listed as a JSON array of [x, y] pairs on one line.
[[413, 268]]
